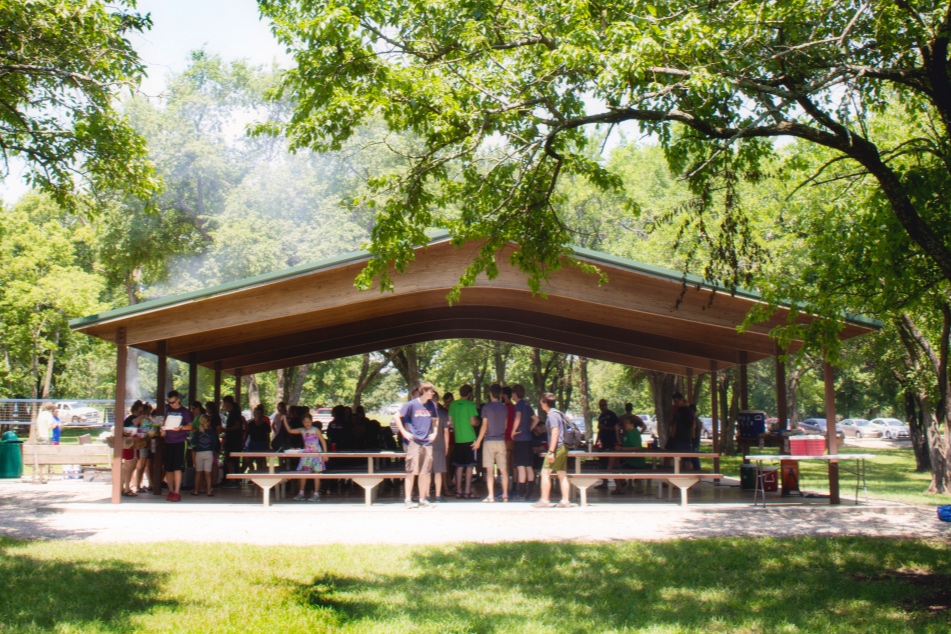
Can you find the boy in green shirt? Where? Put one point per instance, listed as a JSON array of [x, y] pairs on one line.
[[630, 441], [464, 414]]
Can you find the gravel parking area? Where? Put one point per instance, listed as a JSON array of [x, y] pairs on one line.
[[80, 511]]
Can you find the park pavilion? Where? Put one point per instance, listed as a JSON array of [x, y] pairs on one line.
[[642, 316]]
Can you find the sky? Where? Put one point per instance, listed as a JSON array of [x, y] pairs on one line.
[[231, 28]]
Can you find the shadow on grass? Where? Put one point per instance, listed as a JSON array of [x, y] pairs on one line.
[[841, 584], [39, 594]]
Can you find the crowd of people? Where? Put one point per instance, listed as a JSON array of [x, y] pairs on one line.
[[450, 443]]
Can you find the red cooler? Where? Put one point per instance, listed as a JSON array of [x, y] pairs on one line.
[[807, 445]]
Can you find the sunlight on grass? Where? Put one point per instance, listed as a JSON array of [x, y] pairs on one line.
[[714, 585]]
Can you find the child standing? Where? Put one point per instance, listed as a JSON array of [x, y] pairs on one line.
[[313, 442], [206, 452]]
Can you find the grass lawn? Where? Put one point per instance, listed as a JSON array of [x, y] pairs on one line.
[[714, 585], [891, 476]]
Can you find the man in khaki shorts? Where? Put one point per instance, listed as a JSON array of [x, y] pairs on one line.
[[556, 460], [492, 432], [417, 422]]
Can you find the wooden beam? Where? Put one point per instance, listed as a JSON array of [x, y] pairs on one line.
[[218, 384], [192, 377], [467, 334], [495, 329], [782, 402], [161, 381], [648, 343], [743, 360], [714, 415], [158, 456], [237, 388], [689, 373], [831, 444], [122, 355]]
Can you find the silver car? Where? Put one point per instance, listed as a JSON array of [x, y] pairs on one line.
[[859, 428], [892, 428]]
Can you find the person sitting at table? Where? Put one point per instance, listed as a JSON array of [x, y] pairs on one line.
[[630, 441], [234, 437], [607, 436], [259, 437], [683, 423], [313, 443]]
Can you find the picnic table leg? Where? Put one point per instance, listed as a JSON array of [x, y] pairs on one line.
[[368, 484], [758, 485], [582, 485]]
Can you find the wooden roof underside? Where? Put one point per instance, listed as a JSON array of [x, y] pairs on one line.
[[317, 315]]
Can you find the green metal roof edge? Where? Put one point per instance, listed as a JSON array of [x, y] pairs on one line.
[[238, 285], [695, 280], [434, 238]]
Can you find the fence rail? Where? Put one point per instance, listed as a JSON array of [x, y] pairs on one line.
[[72, 413]]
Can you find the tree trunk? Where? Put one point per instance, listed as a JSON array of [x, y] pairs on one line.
[[50, 363], [939, 424], [478, 382], [281, 387], [406, 361], [253, 390], [915, 414], [369, 374], [583, 396], [728, 422], [500, 353], [133, 290], [662, 390], [538, 377], [293, 397]]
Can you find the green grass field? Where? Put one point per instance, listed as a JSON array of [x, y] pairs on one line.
[[712, 585]]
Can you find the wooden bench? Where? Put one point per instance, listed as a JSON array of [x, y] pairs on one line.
[[267, 481], [47, 455], [682, 481]]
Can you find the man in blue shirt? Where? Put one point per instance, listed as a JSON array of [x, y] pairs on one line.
[[524, 457], [494, 421], [418, 424]]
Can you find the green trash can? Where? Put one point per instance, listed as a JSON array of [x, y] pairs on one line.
[[11, 455]]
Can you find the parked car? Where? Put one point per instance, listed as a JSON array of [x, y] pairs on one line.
[[578, 421], [707, 431], [392, 408], [323, 415], [859, 428], [651, 421], [818, 426], [892, 428], [71, 413]]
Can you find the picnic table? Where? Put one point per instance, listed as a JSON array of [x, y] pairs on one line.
[[859, 471], [682, 480], [368, 479]]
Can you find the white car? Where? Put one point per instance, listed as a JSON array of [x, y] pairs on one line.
[[650, 422], [72, 413], [892, 428]]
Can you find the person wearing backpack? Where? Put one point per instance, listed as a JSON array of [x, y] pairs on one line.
[[556, 460]]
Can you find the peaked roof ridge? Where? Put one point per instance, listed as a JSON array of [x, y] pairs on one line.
[[435, 237]]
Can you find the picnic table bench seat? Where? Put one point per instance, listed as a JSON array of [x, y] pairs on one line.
[[42, 455], [368, 481], [682, 480]]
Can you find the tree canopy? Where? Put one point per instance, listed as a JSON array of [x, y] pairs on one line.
[[63, 64], [498, 98]]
